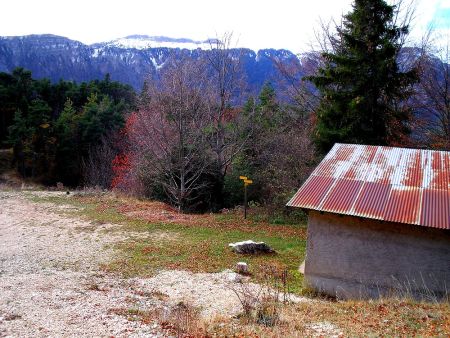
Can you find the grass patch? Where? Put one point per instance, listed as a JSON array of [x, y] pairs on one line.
[[198, 243]]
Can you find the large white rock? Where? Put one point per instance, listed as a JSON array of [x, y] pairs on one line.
[[250, 247]]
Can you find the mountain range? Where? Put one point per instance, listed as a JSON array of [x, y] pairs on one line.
[[128, 60]]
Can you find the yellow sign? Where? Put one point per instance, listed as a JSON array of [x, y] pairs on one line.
[[248, 181], [246, 184], [242, 177]]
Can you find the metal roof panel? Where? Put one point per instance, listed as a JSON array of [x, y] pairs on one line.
[[393, 184], [403, 205], [335, 201], [312, 192], [372, 200], [435, 208]]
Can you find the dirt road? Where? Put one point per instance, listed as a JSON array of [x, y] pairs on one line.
[[50, 282]]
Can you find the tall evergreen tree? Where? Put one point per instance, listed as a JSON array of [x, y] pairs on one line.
[[361, 84], [68, 152]]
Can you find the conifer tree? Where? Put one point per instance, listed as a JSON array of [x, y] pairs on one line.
[[68, 151], [361, 84]]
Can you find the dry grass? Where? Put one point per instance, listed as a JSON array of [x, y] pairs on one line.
[[321, 318], [384, 318], [9, 177], [158, 212], [179, 320]]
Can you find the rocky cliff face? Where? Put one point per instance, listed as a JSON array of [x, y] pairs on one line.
[[129, 60]]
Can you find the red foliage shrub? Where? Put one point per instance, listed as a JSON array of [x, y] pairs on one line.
[[121, 166]]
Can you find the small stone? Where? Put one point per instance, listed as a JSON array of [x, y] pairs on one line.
[[242, 268], [234, 277]]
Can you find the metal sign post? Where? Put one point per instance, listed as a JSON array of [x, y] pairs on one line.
[[245, 200], [246, 183]]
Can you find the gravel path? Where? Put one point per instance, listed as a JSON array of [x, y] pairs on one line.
[[51, 283]]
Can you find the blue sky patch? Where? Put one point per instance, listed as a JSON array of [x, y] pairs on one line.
[[441, 18]]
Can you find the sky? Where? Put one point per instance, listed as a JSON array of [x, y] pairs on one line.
[[256, 24]]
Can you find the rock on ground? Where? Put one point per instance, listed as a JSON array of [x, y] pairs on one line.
[[251, 247]]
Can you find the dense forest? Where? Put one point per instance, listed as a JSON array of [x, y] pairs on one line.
[[181, 128], [186, 141], [53, 127]]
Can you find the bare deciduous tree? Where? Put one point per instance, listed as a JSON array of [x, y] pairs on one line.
[[167, 138], [286, 157], [96, 167], [432, 99], [225, 84], [299, 92]]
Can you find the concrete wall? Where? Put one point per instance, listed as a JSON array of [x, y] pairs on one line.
[[352, 257]]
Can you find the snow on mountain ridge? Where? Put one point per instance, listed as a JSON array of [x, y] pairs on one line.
[[146, 42]]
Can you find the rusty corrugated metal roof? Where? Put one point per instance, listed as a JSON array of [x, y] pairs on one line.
[[391, 184]]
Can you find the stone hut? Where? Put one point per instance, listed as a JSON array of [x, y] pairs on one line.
[[378, 222]]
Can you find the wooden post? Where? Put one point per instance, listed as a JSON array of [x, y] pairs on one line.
[[246, 182], [245, 200]]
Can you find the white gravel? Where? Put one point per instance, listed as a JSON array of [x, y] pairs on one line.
[[49, 276], [325, 329], [212, 293]]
